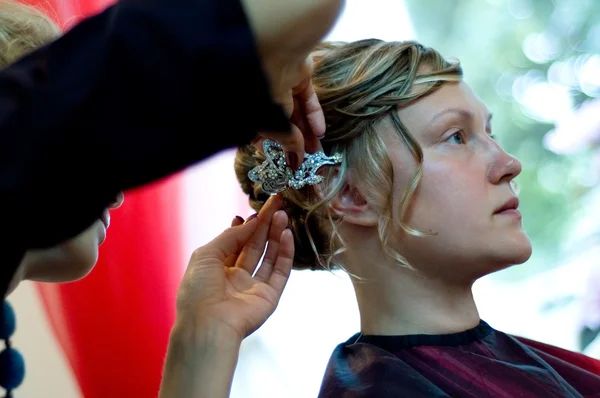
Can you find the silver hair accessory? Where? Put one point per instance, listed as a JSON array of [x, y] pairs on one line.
[[275, 176]]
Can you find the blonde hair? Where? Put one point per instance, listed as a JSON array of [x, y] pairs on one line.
[[23, 29], [358, 84]]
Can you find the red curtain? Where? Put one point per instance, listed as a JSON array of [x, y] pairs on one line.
[[114, 325]]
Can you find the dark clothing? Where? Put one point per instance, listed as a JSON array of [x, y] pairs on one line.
[[478, 363], [126, 97]]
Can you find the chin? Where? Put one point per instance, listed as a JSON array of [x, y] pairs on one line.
[[517, 253], [520, 249], [57, 265], [523, 255], [504, 255], [67, 262]]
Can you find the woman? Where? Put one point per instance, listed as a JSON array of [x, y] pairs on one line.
[[421, 206], [219, 302], [114, 97]]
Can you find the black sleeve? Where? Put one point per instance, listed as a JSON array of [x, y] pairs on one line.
[[126, 97]]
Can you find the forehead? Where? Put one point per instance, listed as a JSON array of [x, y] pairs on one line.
[[457, 95]]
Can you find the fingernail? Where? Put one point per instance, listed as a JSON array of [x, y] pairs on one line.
[[253, 216], [240, 219], [292, 160]]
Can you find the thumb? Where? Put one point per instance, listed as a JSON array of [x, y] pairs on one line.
[[229, 242]]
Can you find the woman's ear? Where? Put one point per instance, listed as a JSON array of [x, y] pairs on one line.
[[353, 206]]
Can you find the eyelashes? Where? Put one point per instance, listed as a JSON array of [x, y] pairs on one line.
[[459, 138]]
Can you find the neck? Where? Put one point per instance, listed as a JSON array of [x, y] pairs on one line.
[[409, 303]]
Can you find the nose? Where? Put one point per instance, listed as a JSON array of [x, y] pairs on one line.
[[117, 202], [504, 168]]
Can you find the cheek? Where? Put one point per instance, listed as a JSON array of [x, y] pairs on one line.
[[447, 199]]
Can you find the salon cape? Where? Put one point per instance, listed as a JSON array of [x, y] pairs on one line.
[[128, 96], [478, 363]]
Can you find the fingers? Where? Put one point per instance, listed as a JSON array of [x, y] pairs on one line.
[[294, 148], [309, 102], [292, 144], [299, 120], [254, 249], [231, 260], [229, 242], [279, 223], [259, 141], [283, 265], [237, 220], [306, 117], [313, 111]]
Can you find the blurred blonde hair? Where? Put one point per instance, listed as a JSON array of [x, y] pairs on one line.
[[23, 29], [359, 84]]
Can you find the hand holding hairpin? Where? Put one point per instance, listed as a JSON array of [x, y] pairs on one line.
[[275, 176]]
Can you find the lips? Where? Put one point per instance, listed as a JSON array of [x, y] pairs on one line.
[[511, 204]]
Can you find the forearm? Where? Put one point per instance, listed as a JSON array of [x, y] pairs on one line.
[[200, 362]]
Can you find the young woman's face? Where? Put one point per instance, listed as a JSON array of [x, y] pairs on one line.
[[465, 196], [72, 259]]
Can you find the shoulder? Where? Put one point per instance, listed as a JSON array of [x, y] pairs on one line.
[[559, 356], [365, 370]]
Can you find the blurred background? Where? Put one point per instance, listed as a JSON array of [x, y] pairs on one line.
[[536, 64]]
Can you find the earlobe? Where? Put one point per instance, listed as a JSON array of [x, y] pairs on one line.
[[352, 205]]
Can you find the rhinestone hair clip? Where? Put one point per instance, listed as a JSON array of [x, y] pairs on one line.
[[275, 176]]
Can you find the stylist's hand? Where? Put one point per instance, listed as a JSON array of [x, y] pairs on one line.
[[220, 287], [286, 32], [222, 299]]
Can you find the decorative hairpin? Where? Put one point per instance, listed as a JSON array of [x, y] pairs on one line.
[[275, 176]]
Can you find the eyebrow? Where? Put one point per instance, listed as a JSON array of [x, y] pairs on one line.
[[464, 114]]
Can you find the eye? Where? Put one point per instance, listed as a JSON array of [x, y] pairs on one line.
[[456, 138]]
